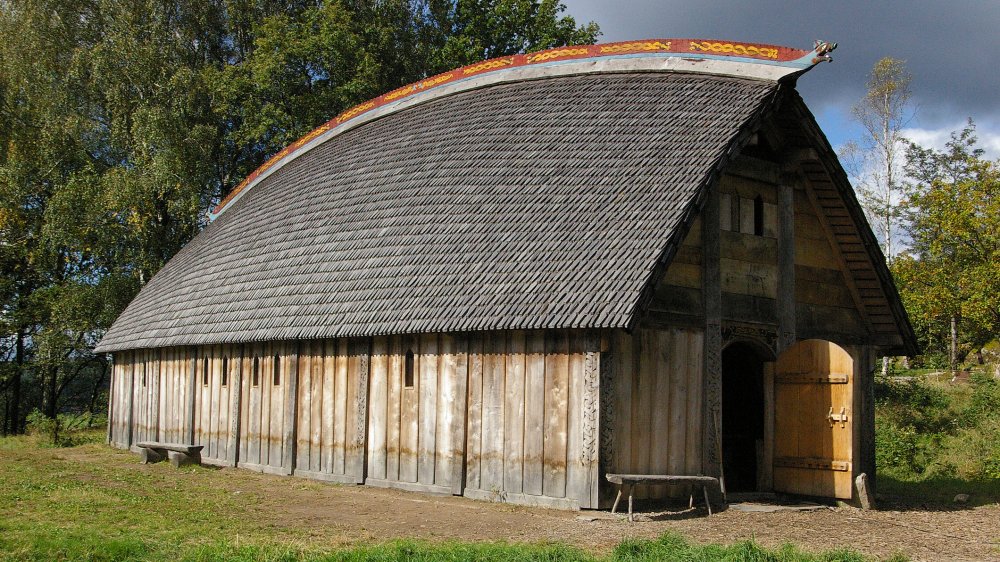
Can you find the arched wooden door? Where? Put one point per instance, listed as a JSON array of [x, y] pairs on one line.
[[813, 420]]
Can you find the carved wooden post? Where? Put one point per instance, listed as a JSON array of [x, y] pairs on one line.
[[362, 350], [712, 291], [233, 445], [111, 401], [291, 410], [786, 262], [131, 398]]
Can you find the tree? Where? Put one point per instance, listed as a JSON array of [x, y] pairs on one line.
[[123, 121], [875, 159], [950, 278]]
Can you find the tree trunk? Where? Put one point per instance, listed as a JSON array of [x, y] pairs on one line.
[[954, 344], [51, 392], [14, 421]]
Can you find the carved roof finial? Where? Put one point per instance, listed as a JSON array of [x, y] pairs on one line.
[[822, 50]]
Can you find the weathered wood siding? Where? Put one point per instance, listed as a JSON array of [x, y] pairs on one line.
[[656, 395], [331, 425], [118, 400], [416, 433], [533, 409]]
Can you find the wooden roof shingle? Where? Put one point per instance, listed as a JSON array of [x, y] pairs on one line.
[[538, 204]]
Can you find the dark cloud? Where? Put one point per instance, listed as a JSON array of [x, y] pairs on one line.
[[950, 48]]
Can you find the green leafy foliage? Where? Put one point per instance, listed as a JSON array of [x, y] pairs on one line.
[[123, 121], [938, 429], [952, 269]]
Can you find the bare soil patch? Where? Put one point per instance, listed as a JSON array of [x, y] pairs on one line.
[[324, 514]]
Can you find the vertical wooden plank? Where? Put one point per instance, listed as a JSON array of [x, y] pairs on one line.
[[192, 360], [409, 413], [330, 348], [534, 412], [692, 449], [290, 408], [661, 434], [303, 432], [474, 436], [493, 410], [269, 350], [459, 364], [786, 263], [110, 429], [378, 409], [767, 465], [428, 407], [315, 392], [444, 450], [254, 411], [514, 413], [556, 404], [581, 420], [340, 409], [236, 399], [679, 396], [394, 380], [642, 424], [621, 350], [214, 388], [358, 411], [244, 403], [712, 298]]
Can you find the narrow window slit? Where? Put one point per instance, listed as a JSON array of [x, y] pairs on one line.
[[255, 380], [277, 370], [758, 216], [225, 371], [408, 371]]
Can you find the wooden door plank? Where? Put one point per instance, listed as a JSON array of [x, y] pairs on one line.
[[427, 440], [474, 435]]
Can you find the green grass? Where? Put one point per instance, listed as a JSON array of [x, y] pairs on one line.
[[91, 503]]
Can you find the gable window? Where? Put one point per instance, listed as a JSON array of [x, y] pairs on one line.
[[255, 378], [225, 371], [277, 370], [408, 370]]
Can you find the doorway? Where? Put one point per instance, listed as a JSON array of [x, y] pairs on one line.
[[743, 413]]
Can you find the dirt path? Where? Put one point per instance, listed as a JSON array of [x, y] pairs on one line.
[[357, 513], [325, 514]]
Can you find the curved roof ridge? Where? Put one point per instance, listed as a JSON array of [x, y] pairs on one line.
[[708, 56]]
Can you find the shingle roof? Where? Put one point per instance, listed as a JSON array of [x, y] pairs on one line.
[[536, 204]]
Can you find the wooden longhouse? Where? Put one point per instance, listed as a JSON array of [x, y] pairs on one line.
[[507, 280]]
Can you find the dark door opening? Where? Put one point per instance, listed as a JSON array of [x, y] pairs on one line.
[[742, 416]]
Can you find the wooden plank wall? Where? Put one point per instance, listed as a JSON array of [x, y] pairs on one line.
[[118, 409], [657, 396], [330, 422], [262, 419], [507, 415], [533, 418], [416, 434]]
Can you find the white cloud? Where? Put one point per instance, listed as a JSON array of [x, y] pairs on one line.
[[989, 138]]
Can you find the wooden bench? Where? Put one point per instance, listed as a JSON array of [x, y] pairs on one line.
[[631, 480], [178, 453]]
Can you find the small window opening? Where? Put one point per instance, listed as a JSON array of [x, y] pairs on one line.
[[204, 371], [225, 371], [408, 371], [143, 373], [277, 370], [758, 216], [256, 371]]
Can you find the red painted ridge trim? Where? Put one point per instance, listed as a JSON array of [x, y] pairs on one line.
[[774, 54]]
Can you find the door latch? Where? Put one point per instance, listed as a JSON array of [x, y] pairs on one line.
[[841, 417]]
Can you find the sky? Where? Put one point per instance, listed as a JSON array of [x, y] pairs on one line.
[[951, 49]]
